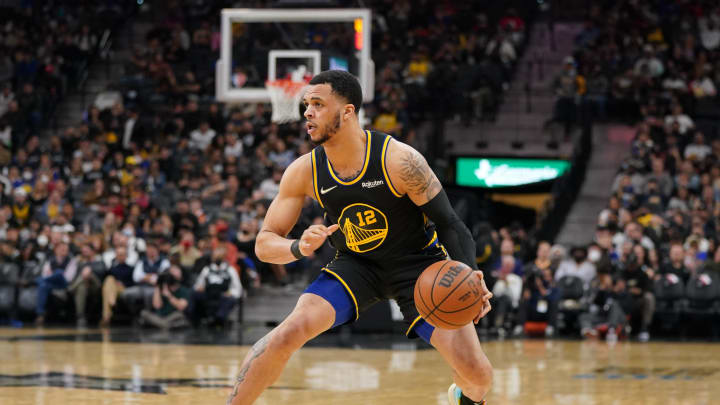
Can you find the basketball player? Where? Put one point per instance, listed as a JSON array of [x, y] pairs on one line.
[[378, 194]]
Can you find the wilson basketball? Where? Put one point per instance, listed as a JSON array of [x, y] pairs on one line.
[[448, 295]]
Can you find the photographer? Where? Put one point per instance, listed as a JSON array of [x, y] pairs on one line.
[[605, 311], [217, 290], [638, 300], [169, 300]]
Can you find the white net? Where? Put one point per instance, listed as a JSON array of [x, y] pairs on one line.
[[285, 96]]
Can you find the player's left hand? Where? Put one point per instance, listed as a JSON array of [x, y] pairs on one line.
[[486, 295]]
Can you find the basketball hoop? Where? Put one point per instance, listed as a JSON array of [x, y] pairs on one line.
[[285, 95]]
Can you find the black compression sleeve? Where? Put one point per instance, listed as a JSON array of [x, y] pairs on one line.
[[452, 232]]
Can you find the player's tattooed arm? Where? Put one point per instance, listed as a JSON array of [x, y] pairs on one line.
[[418, 179], [256, 351]]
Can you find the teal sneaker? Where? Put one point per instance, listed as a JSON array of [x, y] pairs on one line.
[[454, 394]]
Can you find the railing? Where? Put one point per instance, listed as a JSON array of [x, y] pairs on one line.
[[567, 188]]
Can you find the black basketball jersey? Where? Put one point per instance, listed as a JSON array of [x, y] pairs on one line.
[[375, 221]]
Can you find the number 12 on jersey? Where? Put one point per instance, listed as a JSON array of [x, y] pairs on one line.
[[369, 218]]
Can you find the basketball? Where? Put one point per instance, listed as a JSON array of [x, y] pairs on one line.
[[448, 295]]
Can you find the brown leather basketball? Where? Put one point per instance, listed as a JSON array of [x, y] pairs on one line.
[[448, 295]]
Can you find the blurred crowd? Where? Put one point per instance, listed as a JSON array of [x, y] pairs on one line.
[[452, 59], [147, 209], [636, 60], [655, 259], [44, 52]]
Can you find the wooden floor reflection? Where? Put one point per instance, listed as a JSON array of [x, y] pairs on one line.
[[50, 372]]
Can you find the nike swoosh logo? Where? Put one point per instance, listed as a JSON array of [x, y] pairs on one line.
[[324, 190]]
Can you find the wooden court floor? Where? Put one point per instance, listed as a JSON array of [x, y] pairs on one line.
[[38, 368]]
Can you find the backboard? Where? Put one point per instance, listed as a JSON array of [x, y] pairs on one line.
[[267, 44]]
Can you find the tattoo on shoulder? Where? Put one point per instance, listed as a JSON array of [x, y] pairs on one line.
[[256, 351], [416, 174]]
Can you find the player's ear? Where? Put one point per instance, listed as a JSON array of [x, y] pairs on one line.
[[349, 109]]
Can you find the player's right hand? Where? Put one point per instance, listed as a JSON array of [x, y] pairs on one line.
[[314, 236]]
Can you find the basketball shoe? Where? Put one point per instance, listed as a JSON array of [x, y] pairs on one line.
[[455, 397]]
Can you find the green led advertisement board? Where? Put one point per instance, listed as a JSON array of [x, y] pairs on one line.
[[506, 172]]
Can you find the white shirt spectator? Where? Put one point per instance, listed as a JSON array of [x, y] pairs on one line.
[[6, 135], [620, 238], [69, 273], [109, 255], [585, 271], [698, 152], [511, 287], [235, 150], [674, 83], [6, 96], [235, 285], [506, 49], [65, 228], [654, 66], [684, 122], [281, 159], [703, 88], [269, 188], [139, 271], [709, 35], [202, 137]]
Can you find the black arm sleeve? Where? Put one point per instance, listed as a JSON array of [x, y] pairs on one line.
[[452, 232]]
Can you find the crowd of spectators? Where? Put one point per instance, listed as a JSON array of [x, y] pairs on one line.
[[452, 59], [150, 208], [636, 60], [44, 51], [655, 259]]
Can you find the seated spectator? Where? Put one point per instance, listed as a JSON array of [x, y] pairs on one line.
[[636, 297], [271, 186], [202, 137], [634, 233], [506, 294], [120, 240], [169, 300], [119, 278], [87, 281], [187, 251], [702, 86], [698, 150], [56, 274], [709, 33], [145, 276], [684, 122], [604, 311], [676, 264], [217, 290], [578, 266], [540, 298]]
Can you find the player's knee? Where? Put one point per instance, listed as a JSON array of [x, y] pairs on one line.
[[479, 375], [291, 335]]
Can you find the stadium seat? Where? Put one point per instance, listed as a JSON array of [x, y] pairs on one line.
[[703, 302], [669, 301], [571, 301], [9, 274]]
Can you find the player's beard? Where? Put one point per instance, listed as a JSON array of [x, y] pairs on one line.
[[328, 131]]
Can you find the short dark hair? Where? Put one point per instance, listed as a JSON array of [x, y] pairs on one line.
[[343, 84]]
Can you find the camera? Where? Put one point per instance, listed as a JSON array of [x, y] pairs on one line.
[[166, 279]]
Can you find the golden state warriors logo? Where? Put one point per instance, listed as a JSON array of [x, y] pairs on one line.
[[364, 227]]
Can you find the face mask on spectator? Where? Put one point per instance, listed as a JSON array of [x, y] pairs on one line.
[[594, 255], [42, 240]]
